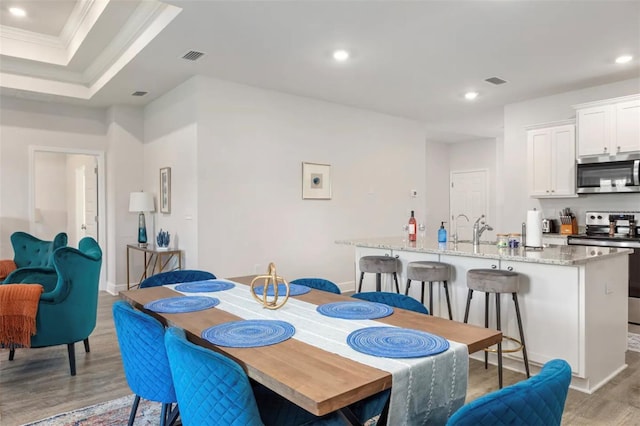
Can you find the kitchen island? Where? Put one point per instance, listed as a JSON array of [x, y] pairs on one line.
[[573, 299]]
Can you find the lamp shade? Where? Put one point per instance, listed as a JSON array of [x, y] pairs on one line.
[[141, 202]]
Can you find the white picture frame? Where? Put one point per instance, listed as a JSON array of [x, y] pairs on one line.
[[165, 190], [316, 181]]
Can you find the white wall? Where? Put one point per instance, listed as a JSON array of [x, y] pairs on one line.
[[50, 194], [24, 123], [551, 108], [251, 144], [437, 187]]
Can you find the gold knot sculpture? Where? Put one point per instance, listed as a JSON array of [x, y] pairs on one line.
[[273, 277]]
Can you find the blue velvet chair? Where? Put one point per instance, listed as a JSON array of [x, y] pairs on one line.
[[213, 390], [179, 276], [67, 313], [538, 400], [393, 299], [318, 284], [34, 259], [144, 357]]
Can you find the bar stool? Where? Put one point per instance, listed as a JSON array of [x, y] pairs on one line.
[[498, 282], [426, 271], [379, 265]]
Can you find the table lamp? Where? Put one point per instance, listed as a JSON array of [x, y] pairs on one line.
[[141, 202]]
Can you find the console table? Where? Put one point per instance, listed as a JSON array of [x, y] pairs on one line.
[[155, 261]]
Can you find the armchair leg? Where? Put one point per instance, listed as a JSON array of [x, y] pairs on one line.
[[12, 353], [134, 409], [86, 345], [72, 358]]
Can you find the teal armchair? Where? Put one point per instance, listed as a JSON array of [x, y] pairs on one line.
[[34, 259], [67, 313]]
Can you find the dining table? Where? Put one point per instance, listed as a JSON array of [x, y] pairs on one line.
[[318, 377]]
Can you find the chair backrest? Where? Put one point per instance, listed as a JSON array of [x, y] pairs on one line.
[[144, 357], [538, 400], [29, 251], [68, 313], [318, 284], [211, 388], [393, 299], [179, 276]]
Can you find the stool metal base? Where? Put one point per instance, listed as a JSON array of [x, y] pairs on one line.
[[379, 282], [446, 292]]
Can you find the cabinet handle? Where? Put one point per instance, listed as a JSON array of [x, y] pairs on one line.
[[510, 268], [547, 191], [553, 190], [397, 256], [618, 149], [493, 266], [605, 149]]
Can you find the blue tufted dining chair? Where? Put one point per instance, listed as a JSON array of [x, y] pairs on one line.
[[393, 299], [146, 366], [214, 390], [538, 400], [174, 277], [33, 258], [318, 284], [67, 312]]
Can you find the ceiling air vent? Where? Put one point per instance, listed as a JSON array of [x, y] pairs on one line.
[[192, 55], [495, 80], [139, 93]]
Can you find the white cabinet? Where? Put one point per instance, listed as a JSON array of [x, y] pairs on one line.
[[609, 127], [551, 159]]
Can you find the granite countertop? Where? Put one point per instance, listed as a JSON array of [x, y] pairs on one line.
[[549, 254]]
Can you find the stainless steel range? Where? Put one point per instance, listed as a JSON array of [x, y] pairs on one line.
[[616, 229]]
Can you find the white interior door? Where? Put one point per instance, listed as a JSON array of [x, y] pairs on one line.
[[468, 196], [90, 196]]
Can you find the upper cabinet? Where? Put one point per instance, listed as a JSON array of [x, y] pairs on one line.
[[551, 159], [609, 127]]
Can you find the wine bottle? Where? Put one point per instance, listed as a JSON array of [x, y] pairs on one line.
[[412, 227]]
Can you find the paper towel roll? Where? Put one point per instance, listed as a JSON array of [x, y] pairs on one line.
[[534, 228]]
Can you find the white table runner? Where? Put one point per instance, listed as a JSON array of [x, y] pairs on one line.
[[425, 391]]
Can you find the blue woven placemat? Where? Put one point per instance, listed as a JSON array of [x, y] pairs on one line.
[[249, 333], [294, 289], [355, 310], [175, 305], [395, 342], [205, 286]]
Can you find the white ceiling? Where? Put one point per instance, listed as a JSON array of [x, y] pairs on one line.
[[410, 59]]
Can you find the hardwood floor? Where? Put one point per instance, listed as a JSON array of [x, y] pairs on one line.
[[37, 383]]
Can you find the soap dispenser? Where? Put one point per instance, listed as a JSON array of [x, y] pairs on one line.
[[442, 233]]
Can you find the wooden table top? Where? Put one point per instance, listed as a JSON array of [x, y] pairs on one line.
[[318, 381]]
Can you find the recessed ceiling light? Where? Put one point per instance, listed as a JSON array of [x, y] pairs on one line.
[[340, 55], [470, 95], [16, 11], [623, 59]]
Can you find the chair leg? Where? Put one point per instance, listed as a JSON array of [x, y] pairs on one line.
[[466, 311], [395, 278], [422, 295], [406, 290], [524, 347], [446, 292], [12, 353], [499, 344], [360, 285], [486, 325], [134, 409], [173, 415], [378, 282], [86, 345], [431, 297], [72, 358], [163, 415]]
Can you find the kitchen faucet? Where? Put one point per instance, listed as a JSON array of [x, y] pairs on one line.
[[455, 234], [478, 230]]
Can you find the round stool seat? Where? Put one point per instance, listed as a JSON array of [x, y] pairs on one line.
[[428, 271], [378, 264], [493, 280]]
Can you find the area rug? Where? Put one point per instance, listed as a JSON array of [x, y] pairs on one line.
[[634, 342], [110, 413]]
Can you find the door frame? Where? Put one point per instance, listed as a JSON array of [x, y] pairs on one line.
[[102, 195]]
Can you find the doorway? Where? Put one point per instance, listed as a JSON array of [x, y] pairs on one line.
[[67, 194], [468, 196]]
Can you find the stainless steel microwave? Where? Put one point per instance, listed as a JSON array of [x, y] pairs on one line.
[[604, 174]]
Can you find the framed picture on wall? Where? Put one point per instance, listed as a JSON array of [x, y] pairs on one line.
[[165, 190], [316, 181]]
